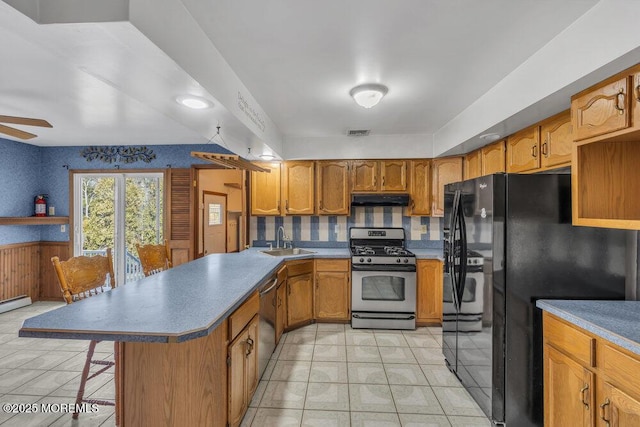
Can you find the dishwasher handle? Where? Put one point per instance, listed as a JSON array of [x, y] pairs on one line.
[[266, 291]]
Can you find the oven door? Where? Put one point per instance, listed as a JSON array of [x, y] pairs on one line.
[[383, 291]]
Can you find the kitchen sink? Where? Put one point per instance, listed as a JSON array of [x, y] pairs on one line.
[[286, 252]]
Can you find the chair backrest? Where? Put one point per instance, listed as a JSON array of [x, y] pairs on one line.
[[154, 258], [81, 277]]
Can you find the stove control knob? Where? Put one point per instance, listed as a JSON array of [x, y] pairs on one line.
[[368, 259], [406, 261], [361, 259], [398, 260]]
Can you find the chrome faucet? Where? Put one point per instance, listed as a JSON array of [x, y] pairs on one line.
[[278, 236]]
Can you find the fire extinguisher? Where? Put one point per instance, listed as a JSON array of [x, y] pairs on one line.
[[41, 205]]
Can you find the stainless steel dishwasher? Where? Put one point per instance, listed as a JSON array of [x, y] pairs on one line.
[[266, 327]]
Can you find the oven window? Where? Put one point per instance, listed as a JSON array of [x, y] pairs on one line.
[[383, 288]]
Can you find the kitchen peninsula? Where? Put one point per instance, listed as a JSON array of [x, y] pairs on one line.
[[173, 329]]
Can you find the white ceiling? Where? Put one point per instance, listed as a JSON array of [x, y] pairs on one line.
[[107, 73]]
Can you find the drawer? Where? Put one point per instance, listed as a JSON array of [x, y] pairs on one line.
[[569, 339], [243, 315], [282, 275], [296, 268], [332, 265], [621, 369]]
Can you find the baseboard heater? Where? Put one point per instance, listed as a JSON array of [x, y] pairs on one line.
[[13, 303]]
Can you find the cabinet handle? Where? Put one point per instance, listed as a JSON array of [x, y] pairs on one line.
[[286, 205], [278, 205], [545, 147], [637, 90], [534, 151], [375, 181], [617, 105], [383, 180], [250, 344], [288, 289], [602, 411], [321, 207], [582, 395]]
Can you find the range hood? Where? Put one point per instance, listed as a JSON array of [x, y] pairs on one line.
[[380, 199]]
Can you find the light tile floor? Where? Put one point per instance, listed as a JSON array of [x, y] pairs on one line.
[[320, 375]]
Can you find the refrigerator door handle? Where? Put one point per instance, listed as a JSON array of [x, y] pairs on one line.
[[453, 248]]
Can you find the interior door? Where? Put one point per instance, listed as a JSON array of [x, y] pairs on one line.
[[214, 226]]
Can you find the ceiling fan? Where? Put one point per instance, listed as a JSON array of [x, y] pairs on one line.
[[17, 133]]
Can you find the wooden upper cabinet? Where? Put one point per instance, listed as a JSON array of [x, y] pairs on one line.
[[523, 150], [332, 187], [364, 175], [601, 109], [445, 171], [493, 158], [420, 187], [265, 191], [298, 187], [473, 165], [393, 175], [556, 140]]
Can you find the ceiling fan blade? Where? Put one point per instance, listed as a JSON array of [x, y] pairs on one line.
[[25, 121], [16, 133]]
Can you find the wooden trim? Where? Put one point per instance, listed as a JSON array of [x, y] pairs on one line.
[[20, 267]]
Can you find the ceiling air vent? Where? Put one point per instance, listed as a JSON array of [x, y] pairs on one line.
[[358, 132]]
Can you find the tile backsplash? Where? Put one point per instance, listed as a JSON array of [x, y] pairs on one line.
[[332, 231]]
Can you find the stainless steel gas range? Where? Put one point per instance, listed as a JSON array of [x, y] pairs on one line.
[[383, 277]]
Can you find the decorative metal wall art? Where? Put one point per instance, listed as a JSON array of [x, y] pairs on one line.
[[124, 154]]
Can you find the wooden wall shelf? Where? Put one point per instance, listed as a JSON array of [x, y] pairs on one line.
[[33, 220]]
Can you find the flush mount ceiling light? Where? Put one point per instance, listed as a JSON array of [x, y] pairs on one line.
[[267, 156], [368, 95], [194, 102]]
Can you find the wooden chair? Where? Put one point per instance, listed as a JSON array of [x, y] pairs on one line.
[[154, 258], [82, 277]]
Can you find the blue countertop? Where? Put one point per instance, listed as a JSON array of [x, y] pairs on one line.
[[615, 321], [183, 303], [428, 253]]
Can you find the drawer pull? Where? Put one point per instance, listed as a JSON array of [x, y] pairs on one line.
[[602, 411], [619, 97]]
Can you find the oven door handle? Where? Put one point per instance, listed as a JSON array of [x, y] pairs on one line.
[[407, 317]]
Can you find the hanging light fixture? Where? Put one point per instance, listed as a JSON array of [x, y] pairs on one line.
[[368, 95]]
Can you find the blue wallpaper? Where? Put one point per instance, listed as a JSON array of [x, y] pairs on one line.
[[27, 170], [332, 231]]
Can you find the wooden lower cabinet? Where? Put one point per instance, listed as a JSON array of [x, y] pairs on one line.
[[332, 290], [569, 391], [588, 381], [299, 293], [281, 303], [243, 371], [429, 292]]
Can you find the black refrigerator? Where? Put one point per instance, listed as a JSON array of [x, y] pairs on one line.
[[508, 241]]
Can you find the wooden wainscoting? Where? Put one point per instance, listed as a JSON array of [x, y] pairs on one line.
[[49, 286], [26, 269], [19, 270]]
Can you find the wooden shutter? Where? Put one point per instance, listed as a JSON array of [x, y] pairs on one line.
[[180, 218]]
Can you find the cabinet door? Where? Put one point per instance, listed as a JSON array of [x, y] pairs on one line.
[[331, 298], [281, 310], [251, 358], [635, 100], [617, 409], [472, 165], [420, 187], [298, 188], [601, 110], [332, 187], [393, 175], [364, 175], [568, 391], [238, 402], [429, 304], [299, 300], [493, 157], [523, 150], [265, 191], [445, 171], [557, 139]]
